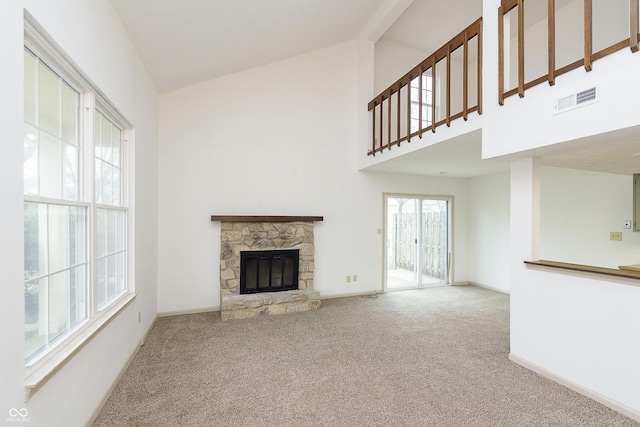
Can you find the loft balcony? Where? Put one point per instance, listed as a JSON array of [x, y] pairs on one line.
[[417, 121]]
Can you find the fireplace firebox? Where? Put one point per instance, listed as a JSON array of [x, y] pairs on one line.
[[269, 271]]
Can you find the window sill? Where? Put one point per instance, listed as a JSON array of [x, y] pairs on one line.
[[44, 369]]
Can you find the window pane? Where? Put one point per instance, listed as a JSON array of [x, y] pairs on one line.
[[122, 272], [30, 167], [121, 243], [70, 172], [116, 145], [70, 100], [101, 282], [50, 166], [108, 152], [34, 240], [107, 128], [112, 231], [30, 85], [58, 237], [116, 187], [107, 183], [77, 241], [98, 181], [101, 232], [112, 276], [111, 250], [34, 309], [48, 100], [58, 304], [77, 295], [97, 134]]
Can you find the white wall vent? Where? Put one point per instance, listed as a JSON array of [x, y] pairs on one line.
[[576, 100]]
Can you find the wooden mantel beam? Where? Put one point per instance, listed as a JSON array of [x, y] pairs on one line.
[[258, 218]]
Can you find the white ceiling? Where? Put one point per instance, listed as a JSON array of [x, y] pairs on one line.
[[458, 157], [189, 41], [428, 24], [616, 152]]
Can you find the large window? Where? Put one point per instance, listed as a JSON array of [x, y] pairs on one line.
[[75, 203], [426, 102]]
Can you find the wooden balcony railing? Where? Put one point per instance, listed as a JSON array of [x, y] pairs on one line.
[[424, 98], [604, 18]]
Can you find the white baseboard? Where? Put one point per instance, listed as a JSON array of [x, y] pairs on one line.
[[105, 397], [189, 311], [492, 288], [352, 294], [616, 406]]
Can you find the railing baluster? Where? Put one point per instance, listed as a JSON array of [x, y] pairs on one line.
[[420, 103], [633, 25], [398, 119], [433, 94], [448, 118], [588, 33], [521, 48], [480, 67], [501, 55], [551, 36], [409, 109], [389, 121], [465, 76], [373, 132], [381, 124]]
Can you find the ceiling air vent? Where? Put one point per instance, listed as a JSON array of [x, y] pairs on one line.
[[576, 100]]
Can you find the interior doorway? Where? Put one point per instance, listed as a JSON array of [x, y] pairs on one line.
[[417, 235]]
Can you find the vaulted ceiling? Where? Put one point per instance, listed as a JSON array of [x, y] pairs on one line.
[[186, 42], [189, 41]]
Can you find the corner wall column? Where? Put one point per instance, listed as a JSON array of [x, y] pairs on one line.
[[525, 233]]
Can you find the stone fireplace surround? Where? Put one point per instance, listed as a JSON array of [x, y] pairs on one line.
[[246, 233]]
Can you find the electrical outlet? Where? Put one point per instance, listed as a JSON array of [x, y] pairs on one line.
[[379, 230], [348, 279], [355, 277], [615, 235]]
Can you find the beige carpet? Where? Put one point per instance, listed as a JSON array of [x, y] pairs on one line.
[[433, 357]]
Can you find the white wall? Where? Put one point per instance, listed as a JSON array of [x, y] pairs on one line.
[[610, 25], [580, 328], [578, 209], [489, 231], [528, 123], [274, 140], [93, 38], [518, 125], [11, 246], [392, 61]]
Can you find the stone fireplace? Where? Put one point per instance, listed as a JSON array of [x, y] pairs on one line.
[[261, 233]]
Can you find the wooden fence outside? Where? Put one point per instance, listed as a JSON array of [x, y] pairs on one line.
[[434, 244]]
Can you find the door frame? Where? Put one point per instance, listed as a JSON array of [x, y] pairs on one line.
[[450, 235]]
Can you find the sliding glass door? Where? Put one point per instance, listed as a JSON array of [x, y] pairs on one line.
[[417, 251]]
